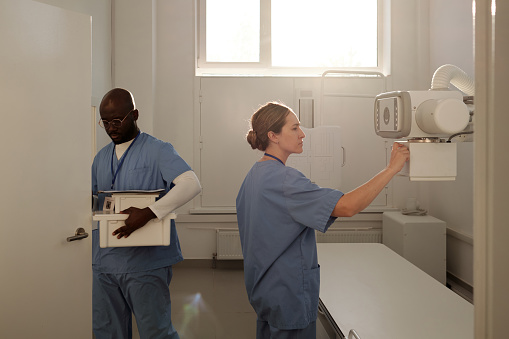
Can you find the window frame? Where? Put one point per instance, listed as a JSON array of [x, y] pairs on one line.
[[264, 67]]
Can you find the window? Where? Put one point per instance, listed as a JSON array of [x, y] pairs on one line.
[[288, 37]]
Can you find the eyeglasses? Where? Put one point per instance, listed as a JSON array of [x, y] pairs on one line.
[[113, 123]]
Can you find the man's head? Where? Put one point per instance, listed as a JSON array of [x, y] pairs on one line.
[[118, 115]]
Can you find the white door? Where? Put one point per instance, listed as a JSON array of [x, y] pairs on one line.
[[45, 152]]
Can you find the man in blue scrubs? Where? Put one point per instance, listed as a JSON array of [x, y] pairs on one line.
[[136, 280]]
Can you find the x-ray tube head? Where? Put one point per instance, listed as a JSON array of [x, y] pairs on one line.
[[421, 120], [420, 114]]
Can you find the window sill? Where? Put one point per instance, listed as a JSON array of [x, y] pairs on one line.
[[289, 72], [229, 215]]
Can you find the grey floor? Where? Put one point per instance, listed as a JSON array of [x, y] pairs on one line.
[[210, 303]]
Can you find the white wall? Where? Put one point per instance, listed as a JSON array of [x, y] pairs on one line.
[[154, 57], [134, 54], [452, 42], [174, 93], [169, 55]]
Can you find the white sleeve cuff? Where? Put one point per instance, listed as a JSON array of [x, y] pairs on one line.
[[187, 186]]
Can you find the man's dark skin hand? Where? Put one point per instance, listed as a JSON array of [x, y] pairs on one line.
[[137, 219]]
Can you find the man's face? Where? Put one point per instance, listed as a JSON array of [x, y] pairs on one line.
[[119, 122]]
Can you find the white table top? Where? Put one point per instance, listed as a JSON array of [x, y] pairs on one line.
[[370, 288]]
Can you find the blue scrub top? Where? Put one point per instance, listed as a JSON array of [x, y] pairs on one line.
[[278, 211], [150, 164]]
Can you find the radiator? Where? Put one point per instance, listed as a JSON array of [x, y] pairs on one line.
[[228, 245], [228, 241]]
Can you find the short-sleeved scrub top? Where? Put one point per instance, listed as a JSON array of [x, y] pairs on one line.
[[150, 164], [278, 211]]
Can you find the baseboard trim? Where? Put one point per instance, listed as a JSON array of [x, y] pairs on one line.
[[460, 287], [210, 263]]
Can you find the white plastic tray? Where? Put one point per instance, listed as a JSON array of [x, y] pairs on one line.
[[155, 233]]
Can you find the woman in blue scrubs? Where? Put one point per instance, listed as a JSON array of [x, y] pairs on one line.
[[278, 211]]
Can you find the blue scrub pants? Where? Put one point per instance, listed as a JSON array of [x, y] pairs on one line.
[[265, 331], [146, 294]]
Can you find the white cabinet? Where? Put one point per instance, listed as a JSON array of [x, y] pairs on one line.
[[419, 239]]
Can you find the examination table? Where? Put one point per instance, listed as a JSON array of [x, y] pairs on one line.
[[368, 291]]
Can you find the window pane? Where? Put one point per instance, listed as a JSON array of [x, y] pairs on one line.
[[324, 33], [233, 31]]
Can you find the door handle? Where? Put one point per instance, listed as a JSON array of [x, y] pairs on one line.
[[80, 234]]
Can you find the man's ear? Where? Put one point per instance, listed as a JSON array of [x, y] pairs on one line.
[[135, 114]]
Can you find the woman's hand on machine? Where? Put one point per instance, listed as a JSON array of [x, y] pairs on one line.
[[399, 155]]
